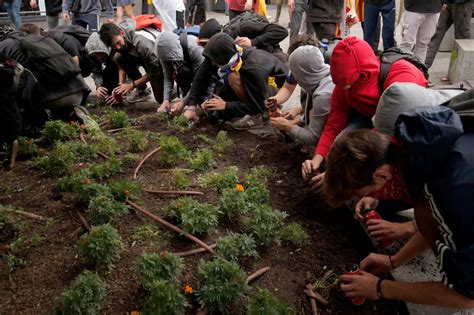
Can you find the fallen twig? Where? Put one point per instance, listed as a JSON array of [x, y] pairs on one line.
[[256, 274], [165, 170], [174, 192], [312, 301], [120, 129], [31, 215], [135, 174], [83, 221], [14, 153], [310, 292], [171, 226], [194, 251]]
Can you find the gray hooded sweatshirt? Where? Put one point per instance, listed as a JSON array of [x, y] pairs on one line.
[[312, 74], [90, 7], [170, 52], [95, 45]]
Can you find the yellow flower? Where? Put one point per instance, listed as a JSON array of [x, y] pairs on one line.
[[188, 289], [239, 187]]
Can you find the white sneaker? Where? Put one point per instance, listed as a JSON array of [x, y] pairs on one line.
[[247, 122], [139, 96]]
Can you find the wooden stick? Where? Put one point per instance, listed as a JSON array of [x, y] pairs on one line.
[[83, 221], [174, 192], [135, 174], [120, 129], [194, 251], [256, 274], [14, 153], [171, 226], [31, 215], [165, 170], [314, 306], [310, 292]]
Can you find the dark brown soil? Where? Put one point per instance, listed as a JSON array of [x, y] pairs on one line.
[[51, 266]]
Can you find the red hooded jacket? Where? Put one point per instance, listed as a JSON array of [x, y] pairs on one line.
[[355, 70]]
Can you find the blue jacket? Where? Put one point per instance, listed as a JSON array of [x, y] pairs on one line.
[[439, 166]]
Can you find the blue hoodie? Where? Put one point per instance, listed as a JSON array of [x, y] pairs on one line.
[[439, 165]]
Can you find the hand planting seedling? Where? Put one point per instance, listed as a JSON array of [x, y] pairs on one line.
[[163, 298], [265, 224], [103, 209], [221, 283], [234, 246], [264, 303], [163, 266], [222, 142], [172, 151], [85, 295], [101, 246], [201, 160], [58, 130], [226, 179], [294, 233]]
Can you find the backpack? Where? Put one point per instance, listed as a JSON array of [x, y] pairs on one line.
[[233, 27], [10, 118], [463, 105], [185, 72], [48, 60], [390, 56], [76, 31], [193, 30]]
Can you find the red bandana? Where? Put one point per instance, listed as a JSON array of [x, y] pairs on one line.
[[394, 189]]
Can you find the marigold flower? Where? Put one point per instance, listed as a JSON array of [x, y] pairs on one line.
[[239, 187], [164, 253], [82, 126], [87, 181], [126, 193], [188, 289], [134, 313]]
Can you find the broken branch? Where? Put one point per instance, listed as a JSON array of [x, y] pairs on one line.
[[31, 215], [120, 129], [135, 174], [193, 251], [84, 221], [14, 154], [312, 301], [174, 192], [315, 295], [171, 226], [256, 274]]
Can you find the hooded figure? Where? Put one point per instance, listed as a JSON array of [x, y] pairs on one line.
[[104, 69], [250, 75], [355, 70], [308, 69], [181, 55]]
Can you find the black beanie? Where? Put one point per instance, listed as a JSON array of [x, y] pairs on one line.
[[210, 28], [220, 48]]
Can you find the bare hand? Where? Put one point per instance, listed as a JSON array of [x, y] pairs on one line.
[[177, 108], [281, 123], [109, 21], [248, 5], [376, 263], [291, 6], [215, 103], [243, 42], [33, 4], [110, 100], [381, 229], [363, 285], [165, 107], [292, 112], [123, 88], [102, 92], [364, 203], [191, 115], [66, 17]]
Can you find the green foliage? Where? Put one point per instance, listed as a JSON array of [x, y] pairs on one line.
[[101, 246], [178, 123], [59, 161], [201, 160], [233, 202], [37, 240], [172, 151], [107, 145], [84, 296], [122, 189], [264, 303], [87, 192], [221, 283], [265, 224], [130, 159], [163, 299], [164, 266], [118, 119], [195, 217], [294, 233], [178, 179], [58, 130], [103, 209], [203, 138], [151, 235], [234, 246], [82, 151], [8, 228], [13, 262], [105, 169], [259, 174], [137, 141], [27, 148], [227, 179], [256, 185], [222, 143]]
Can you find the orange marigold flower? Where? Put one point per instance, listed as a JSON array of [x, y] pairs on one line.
[[126, 193], [87, 181], [188, 289], [134, 313], [239, 187], [82, 126], [164, 253]]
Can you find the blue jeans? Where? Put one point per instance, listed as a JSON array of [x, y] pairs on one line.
[[371, 16], [13, 9]]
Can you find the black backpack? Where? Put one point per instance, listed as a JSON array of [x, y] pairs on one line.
[[48, 60], [390, 56], [185, 71], [463, 105], [76, 31], [233, 27]]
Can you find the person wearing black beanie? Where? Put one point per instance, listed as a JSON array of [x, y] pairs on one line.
[[220, 49]]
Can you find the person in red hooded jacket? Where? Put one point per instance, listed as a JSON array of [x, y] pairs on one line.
[[355, 71]]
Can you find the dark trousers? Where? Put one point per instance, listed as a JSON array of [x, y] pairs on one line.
[[324, 30], [371, 16], [457, 14], [180, 19], [233, 14], [130, 64], [87, 21], [375, 46]]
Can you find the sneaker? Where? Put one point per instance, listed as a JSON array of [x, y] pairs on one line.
[[139, 96], [247, 122]]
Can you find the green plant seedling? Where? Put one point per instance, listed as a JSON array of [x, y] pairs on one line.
[[122, 189], [223, 143], [178, 123], [117, 119], [106, 169], [58, 130], [101, 246], [203, 138], [294, 233], [235, 246], [151, 235], [130, 159], [163, 266], [233, 202], [37, 240], [172, 151], [201, 160], [163, 299], [58, 162], [227, 179], [137, 141], [107, 145], [27, 149], [265, 224], [103, 209], [178, 179], [264, 303]]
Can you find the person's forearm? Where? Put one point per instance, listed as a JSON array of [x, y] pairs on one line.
[[428, 293], [284, 93], [143, 80], [414, 247]]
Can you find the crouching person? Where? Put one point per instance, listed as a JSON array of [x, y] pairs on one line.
[[249, 75], [430, 161]]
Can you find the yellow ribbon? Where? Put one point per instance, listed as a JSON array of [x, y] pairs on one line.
[[272, 83]]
